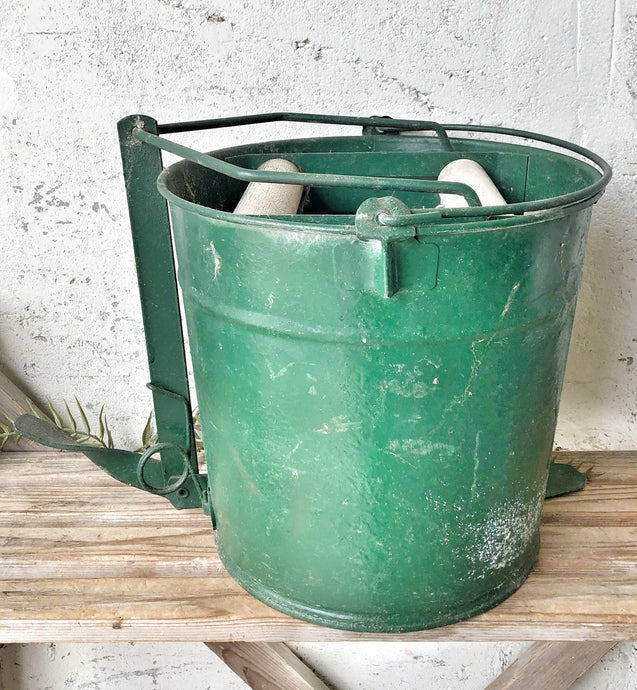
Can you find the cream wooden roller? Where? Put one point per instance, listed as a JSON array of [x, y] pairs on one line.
[[268, 198], [474, 175]]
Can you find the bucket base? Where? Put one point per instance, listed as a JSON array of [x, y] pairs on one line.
[[387, 622]]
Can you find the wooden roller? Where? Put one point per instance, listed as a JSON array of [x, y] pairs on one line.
[[268, 198], [474, 175]]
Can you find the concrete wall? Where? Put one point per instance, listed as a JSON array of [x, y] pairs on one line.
[[69, 316]]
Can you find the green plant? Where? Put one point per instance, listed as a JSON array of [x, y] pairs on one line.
[[78, 427], [149, 434], [6, 433]]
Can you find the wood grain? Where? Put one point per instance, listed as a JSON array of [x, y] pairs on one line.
[[554, 665], [267, 665], [84, 558]]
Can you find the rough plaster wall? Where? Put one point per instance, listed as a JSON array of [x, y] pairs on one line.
[[123, 666], [69, 316], [363, 666]]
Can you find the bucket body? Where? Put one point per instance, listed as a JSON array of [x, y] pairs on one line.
[[376, 462]]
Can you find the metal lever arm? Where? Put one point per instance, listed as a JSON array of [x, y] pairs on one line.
[[177, 475]]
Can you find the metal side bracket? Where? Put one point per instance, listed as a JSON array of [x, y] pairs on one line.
[[380, 240], [176, 475], [188, 489]]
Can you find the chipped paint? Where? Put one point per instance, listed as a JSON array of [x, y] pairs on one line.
[[504, 532], [476, 464], [339, 425], [281, 372], [421, 447], [216, 260], [408, 387], [296, 447], [510, 299], [412, 382]]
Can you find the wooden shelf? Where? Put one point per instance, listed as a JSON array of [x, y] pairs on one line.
[[84, 558]]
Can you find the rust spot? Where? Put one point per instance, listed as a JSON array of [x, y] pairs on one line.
[[117, 624]]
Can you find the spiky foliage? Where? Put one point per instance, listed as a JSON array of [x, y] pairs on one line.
[[75, 422]]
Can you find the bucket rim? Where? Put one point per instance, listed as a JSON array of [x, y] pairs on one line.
[[424, 223], [494, 215]]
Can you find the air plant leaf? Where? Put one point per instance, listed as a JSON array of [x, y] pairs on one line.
[[100, 421], [196, 425], [109, 438], [87, 426], [5, 434], [34, 410], [147, 433], [56, 415], [81, 431], [72, 422]]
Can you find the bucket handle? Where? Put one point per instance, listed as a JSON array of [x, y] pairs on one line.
[[376, 126], [370, 125], [236, 172]]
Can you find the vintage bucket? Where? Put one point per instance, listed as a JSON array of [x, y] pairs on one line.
[[378, 379]]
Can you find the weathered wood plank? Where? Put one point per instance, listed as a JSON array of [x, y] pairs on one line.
[[84, 558], [554, 665], [186, 547], [75, 493], [267, 665], [128, 552]]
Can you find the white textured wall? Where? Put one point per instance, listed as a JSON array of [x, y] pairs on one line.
[[69, 316]]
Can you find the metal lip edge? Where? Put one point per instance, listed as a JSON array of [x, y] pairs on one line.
[[585, 196], [287, 224]]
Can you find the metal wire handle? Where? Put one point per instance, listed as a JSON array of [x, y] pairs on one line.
[[308, 179], [379, 125]]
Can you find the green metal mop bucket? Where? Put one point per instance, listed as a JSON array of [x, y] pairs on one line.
[[378, 377], [378, 385]]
